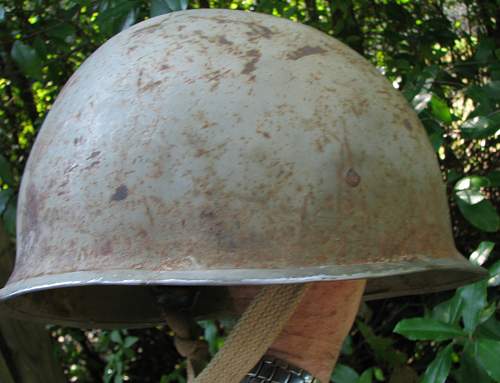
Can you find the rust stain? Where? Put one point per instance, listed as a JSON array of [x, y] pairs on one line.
[[304, 210], [70, 168], [207, 125], [120, 193], [31, 217], [93, 164], [200, 152], [165, 67], [407, 125], [139, 78], [223, 41], [319, 145], [215, 77], [131, 49], [107, 248], [150, 86], [149, 28], [352, 178], [251, 65], [78, 141], [305, 51], [265, 134], [94, 154]]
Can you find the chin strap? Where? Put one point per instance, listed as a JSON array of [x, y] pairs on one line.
[[255, 332]]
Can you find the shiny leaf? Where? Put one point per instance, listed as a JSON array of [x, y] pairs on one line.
[[470, 370], [27, 59], [474, 300], [479, 127], [366, 376], [487, 352], [427, 329], [9, 217], [344, 374], [177, 5], [439, 369], [159, 7], [5, 171], [449, 311], [481, 254], [494, 270], [489, 329], [5, 196], [481, 215], [440, 110]]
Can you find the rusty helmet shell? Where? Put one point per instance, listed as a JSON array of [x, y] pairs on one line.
[[215, 147]]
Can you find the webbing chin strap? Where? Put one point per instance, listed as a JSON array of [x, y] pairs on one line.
[[255, 332]]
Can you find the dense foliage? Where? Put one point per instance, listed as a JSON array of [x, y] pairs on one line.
[[444, 55]]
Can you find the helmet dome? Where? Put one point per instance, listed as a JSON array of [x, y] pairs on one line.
[[213, 148]]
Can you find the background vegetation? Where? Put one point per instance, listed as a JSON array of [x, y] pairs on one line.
[[444, 55]]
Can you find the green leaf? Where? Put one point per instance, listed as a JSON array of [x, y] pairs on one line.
[[474, 300], [27, 59], [434, 130], [494, 270], [5, 196], [452, 176], [479, 127], [439, 369], [417, 91], [159, 7], [494, 178], [9, 217], [489, 329], [481, 254], [64, 32], [379, 374], [427, 329], [485, 49], [487, 312], [5, 171], [344, 374], [440, 110], [481, 215], [469, 370], [487, 352], [468, 189], [115, 16], [449, 311], [472, 182], [470, 196], [382, 347], [177, 5], [347, 348], [116, 336], [211, 335], [483, 103], [366, 376], [492, 89], [130, 341]]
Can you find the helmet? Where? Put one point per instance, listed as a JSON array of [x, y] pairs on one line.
[[208, 148]]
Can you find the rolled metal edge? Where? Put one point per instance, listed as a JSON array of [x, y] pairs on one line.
[[416, 275]]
